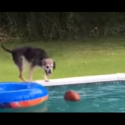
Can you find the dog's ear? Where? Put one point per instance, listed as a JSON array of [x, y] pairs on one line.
[[54, 65]]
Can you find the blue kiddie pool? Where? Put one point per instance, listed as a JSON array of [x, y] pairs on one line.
[[20, 95]]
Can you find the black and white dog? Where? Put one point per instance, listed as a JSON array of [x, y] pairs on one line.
[[35, 57]]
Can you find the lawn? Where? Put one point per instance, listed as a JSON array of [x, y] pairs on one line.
[[73, 58]]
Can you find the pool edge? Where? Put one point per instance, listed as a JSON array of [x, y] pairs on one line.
[[83, 79]]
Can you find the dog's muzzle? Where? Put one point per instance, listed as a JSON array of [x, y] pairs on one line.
[[49, 72]]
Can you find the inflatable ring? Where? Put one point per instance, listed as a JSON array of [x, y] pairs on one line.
[[20, 95]]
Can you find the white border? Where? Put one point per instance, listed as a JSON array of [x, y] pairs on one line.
[[82, 80]]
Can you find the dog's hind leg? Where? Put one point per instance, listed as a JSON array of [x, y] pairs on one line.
[[21, 70], [19, 61]]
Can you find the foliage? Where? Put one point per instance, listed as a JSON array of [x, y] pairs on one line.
[[61, 25]]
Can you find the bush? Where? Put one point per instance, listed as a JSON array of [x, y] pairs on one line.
[[61, 25]]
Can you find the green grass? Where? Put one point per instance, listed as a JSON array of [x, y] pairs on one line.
[[76, 58]]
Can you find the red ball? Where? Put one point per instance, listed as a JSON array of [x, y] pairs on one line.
[[72, 96]]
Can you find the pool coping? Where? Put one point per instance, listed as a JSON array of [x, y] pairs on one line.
[[83, 79]]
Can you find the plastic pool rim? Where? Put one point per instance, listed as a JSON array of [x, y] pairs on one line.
[[21, 95]]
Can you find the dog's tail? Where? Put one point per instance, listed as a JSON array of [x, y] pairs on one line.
[[4, 48]]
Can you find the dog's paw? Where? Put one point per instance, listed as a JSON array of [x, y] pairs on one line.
[[28, 81], [46, 80]]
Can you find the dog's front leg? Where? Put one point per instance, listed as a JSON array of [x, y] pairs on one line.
[[45, 78], [31, 73]]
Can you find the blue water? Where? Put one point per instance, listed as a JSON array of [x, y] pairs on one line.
[[94, 98]]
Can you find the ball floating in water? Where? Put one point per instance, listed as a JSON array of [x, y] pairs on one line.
[[71, 96]]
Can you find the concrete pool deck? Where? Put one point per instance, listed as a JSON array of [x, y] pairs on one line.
[[83, 80]]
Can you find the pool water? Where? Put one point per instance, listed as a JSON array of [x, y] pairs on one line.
[[94, 98], [102, 97]]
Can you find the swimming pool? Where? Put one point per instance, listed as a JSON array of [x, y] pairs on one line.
[[95, 97], [101, 93], [101, 97]]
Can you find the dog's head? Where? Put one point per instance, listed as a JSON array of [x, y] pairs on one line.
[[48, 65]]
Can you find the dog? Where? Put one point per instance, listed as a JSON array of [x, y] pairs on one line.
[[36, 57]]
